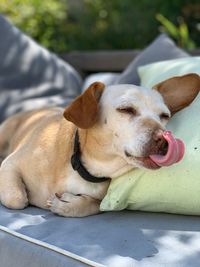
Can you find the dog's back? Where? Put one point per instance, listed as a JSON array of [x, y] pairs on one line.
[[18, 127]]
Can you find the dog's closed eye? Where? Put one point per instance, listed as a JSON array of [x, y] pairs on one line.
[[164, 116], [128, 110]]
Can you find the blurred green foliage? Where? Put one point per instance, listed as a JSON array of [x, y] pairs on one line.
[[65, 25], [180, 33]]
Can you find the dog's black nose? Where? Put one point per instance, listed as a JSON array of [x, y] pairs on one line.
[[161, 145]]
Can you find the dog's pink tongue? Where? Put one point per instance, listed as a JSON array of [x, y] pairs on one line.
[[174, 154]]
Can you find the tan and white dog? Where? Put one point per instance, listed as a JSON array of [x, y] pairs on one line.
[[119, 126]]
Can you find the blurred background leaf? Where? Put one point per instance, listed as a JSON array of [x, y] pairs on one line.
[[66, 25], [180, 33]]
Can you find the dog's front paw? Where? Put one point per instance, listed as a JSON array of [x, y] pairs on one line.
[[52, 199], [69, 205], [65, 204]]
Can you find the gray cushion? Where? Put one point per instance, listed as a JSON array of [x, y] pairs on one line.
[[114, 239], [30, 76], [28, 254], [107, 78], [162, 48]]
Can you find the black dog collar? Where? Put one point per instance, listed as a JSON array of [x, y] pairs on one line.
[[78, 166]]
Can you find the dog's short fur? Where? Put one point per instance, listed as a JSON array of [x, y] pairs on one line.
[[119, 127]]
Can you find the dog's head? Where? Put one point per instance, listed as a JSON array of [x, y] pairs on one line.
[[133, 118]]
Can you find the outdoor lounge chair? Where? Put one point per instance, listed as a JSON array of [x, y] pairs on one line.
[[31, 77]]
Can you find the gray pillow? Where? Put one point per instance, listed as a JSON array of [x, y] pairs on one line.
[[30, 76], [162, 48], [107, 78]]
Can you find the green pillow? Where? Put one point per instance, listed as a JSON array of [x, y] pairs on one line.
[[174, 189], [154, 73]]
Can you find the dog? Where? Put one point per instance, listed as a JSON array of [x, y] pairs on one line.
[[63, 160]]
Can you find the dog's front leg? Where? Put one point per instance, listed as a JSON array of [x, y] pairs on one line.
[[69, 205]]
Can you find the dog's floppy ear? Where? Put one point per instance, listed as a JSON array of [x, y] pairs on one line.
[[178, 92], [84, 109]]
